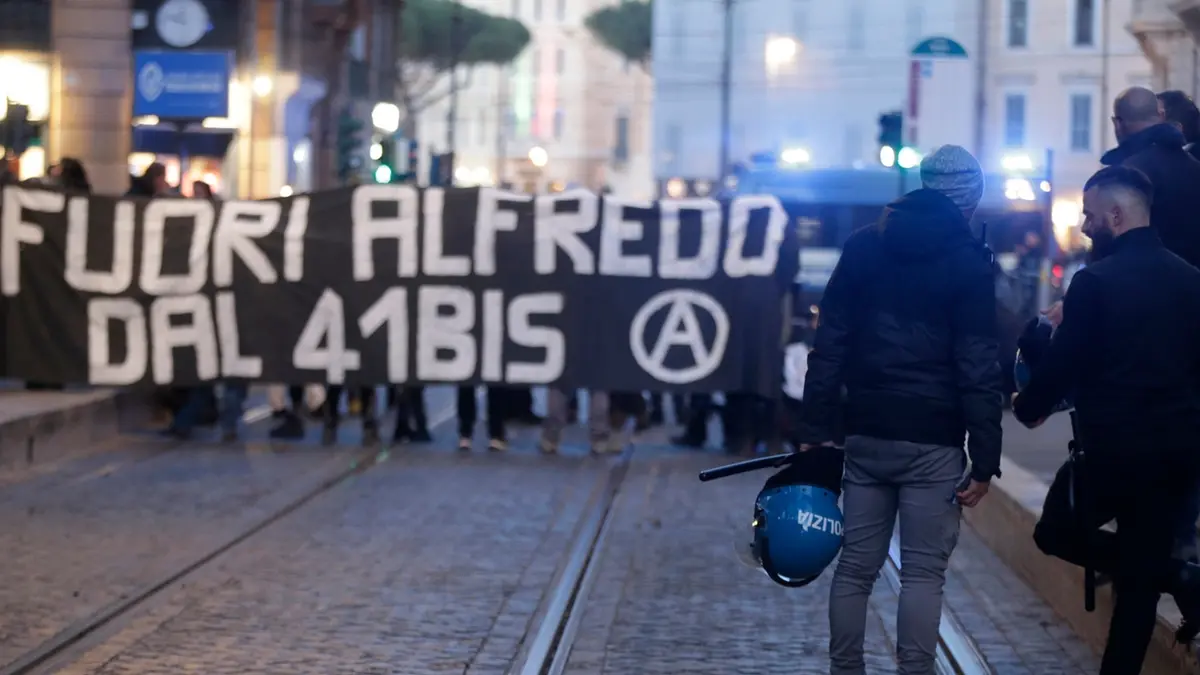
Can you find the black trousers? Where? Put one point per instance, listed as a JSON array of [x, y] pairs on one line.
[[410, 409], [1143, 489], [333, 396], [498, 401]]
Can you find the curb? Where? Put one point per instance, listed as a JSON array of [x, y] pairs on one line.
[[1005, 520], [68, 428]]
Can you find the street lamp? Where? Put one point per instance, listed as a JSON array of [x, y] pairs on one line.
[[386, 117], [780, 51], [539, 157], [262, 86]]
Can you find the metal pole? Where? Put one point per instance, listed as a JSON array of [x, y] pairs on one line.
[[452, 115], [981, 83], [502, 125], [726, 95]]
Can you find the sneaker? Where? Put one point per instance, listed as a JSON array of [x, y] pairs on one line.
[[421, 436], [464, 444], [497, 445], [548, 448], [229, 436]]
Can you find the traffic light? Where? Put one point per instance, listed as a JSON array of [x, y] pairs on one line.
[[891, 130], [385, 162], [349, 146], [17, 133]]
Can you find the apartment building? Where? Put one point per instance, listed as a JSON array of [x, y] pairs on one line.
[[1053, 68], [804, 74], [579, 110]]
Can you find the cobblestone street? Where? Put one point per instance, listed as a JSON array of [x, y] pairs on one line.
[[426, 560]]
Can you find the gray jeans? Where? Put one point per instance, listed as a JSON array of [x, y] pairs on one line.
[[884, 478]]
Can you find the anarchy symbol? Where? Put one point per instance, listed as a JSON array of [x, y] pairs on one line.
[[681, 328]]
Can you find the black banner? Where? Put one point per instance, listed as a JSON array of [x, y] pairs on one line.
[[390, 283]]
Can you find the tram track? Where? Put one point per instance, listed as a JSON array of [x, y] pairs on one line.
[[549, 645], [957, 651], [60, 645]]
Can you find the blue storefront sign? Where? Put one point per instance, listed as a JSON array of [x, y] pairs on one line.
[[181, 85]]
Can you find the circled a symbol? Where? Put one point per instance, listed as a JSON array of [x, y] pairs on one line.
[[681, 328]]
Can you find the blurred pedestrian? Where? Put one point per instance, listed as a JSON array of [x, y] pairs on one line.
[[1180, 110], [908, 333], [152, 182], [1154, 146]]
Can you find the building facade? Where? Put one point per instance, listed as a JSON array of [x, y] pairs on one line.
[[571, 104], [77, 65], [1030, 95], [1053, 69], [804, 74]]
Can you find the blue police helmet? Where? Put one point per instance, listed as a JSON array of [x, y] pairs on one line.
[[1032, 347], [797, 521]]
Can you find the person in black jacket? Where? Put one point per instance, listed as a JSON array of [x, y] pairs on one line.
[[1178, 109], [1155, 147], [908, 329], [1128, 351]]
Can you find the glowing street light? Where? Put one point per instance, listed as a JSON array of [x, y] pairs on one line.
[[262, 86], [386, 117], [780, 51], [539, 157]]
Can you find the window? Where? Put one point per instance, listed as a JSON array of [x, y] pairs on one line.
[[558, 123], [1014, 120], [1085, 23], [1081, 122], [562, 10], [560, 61], [621, 145], [914, 23], [537, 10], [1018, 23], [482, 128], [856, 30]]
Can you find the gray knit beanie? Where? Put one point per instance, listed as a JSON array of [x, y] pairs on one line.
[[954, 172]]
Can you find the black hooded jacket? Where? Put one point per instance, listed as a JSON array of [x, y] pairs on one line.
[[1159, 153], [908, 328]]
